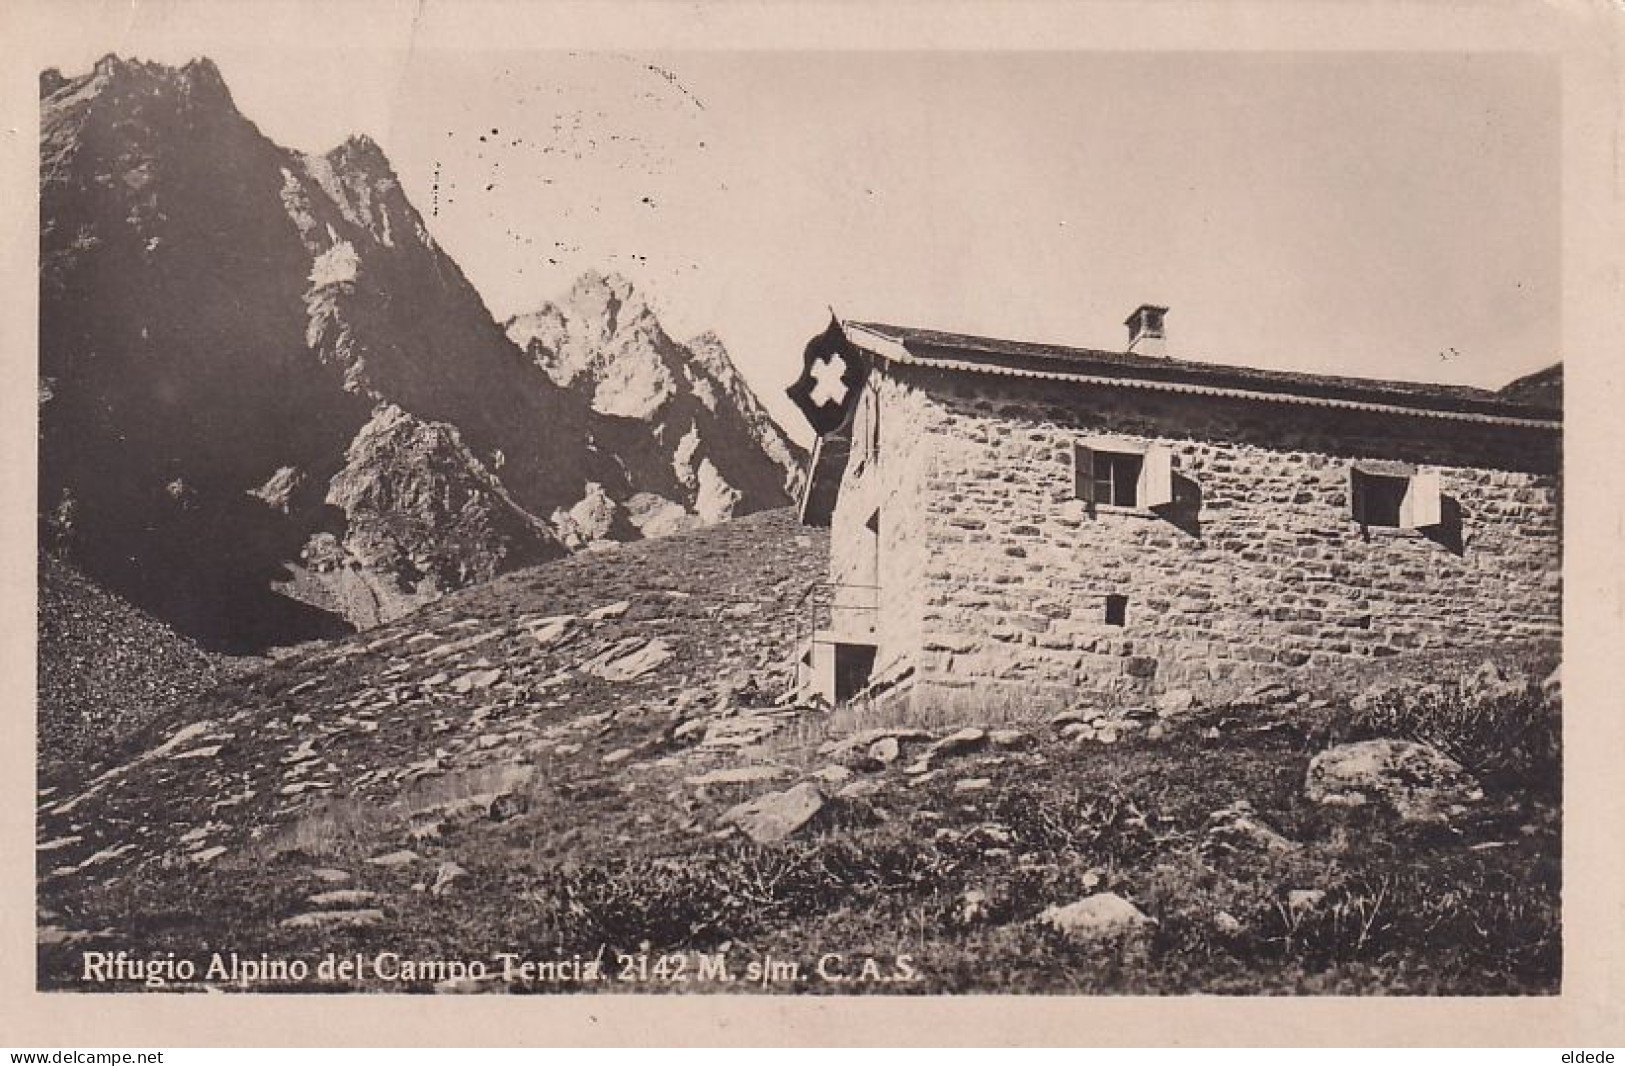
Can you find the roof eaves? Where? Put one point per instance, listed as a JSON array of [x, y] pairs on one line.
[[896, 349]]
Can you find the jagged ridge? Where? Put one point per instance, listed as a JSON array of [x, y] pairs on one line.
[[220, 320]]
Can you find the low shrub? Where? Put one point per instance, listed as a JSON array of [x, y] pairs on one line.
[[1510, 737]]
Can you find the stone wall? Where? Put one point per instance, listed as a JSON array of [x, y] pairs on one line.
[[995, 576], [888, 481]]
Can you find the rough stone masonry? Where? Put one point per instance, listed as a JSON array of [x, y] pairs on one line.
[[996, 585]]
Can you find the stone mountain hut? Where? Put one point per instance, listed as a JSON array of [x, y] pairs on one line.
[[1012, 523]]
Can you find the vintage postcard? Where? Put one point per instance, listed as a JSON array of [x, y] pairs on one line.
[[1028, 513]]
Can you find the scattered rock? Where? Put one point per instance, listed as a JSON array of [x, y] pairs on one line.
[[885, 751], [208, 855], [629, 659], [342, 897], [1237, 825], [861, 740], [690, 727], [618, 755], [1300, 901], [403, 857], [1175, 702], [331, 919], [548, 631], [1417, 781], [770, 818], [206, 752], [959, 742], [1009, 738], [737, 775], [832, 774], [862, 788], [741, 732], [1102, 916], [1227, 923], [608, 611], [476, 679], [330, 875], [973, 784], [446, 877]]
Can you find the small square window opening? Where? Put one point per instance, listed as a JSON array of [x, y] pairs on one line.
[[1116, 610]]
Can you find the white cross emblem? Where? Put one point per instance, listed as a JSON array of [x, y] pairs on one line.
[[827, 373]]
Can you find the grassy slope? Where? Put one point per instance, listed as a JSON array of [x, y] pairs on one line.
[[604, 848]]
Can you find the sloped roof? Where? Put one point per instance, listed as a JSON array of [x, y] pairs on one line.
[[956, 351]]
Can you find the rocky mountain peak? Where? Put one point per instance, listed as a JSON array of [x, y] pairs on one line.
[[198, 81], [270, 347], [604, 341]]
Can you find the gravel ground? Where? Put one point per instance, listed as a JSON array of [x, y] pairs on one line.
[[105, 667]]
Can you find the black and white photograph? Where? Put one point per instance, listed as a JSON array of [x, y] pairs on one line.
[[539, 519]]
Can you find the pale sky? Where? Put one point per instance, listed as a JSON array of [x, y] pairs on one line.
[[1383, 215]]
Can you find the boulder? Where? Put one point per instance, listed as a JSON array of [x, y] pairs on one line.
[[1175, 702], [959, 742], [1099, 917], [1419, 782], [772, 817], [885, 751]]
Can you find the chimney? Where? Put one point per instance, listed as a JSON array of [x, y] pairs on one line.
[[1145, 333]]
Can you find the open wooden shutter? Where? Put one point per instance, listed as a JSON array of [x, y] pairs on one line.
[[1083, 473], [1422, 506], [1356, 495], [1156, 487]]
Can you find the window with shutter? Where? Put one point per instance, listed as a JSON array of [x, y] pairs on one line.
[[1111, 472], [1157, 477], [1083, 473], [1387, 495]]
